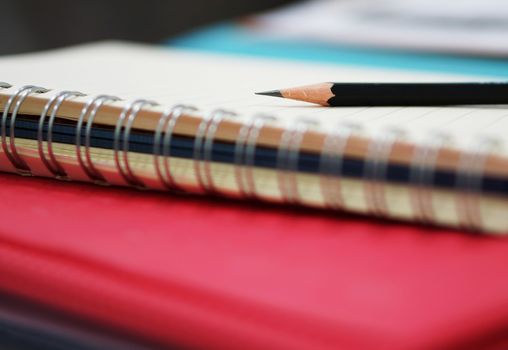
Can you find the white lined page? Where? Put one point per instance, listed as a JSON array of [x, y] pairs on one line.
[[211, 81]]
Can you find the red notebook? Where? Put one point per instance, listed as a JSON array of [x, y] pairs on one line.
[[211, 273]]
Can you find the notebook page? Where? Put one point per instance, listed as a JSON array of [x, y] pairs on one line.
[[210, 81]]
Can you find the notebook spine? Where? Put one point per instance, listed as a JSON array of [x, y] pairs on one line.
[[332, 158]]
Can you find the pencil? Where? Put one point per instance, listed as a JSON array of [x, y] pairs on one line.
[[397, 94]]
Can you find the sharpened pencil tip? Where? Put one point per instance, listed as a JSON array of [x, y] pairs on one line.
[[274, 93]]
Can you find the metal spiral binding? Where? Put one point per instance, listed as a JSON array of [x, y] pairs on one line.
[[124, 123], [375, 172], [56, 101], [332, 162], [90, 109], [5, 85], [245, 152], [162, 144], [470, 175], [287, 160], [421, 176], [10, 150], [203, 148]]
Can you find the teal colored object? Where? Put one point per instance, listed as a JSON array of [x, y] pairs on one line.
[[230, 38]]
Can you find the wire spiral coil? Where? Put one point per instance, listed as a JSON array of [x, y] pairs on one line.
[[52, 107], [332, 164], [245, 153], [162, 144], [122, 133], [203, 143], [288, 155], [469, 185], [375, 171], [88, 114], [422, 172], [17, 98]]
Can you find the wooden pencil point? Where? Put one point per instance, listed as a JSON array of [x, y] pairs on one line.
[[317, 93]]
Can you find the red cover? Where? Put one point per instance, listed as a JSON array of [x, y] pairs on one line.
[[219, 274]]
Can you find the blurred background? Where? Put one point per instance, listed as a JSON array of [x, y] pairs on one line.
[[28, 25], [463, 27]]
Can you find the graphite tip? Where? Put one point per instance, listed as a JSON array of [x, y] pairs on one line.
[[274, 93]]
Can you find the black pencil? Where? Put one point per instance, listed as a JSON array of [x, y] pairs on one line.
[[397, 94]]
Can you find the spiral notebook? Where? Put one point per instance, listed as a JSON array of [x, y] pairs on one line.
[[165, 119]]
